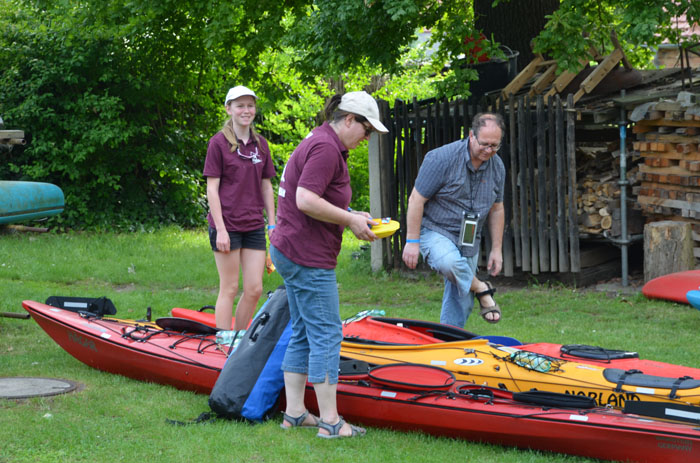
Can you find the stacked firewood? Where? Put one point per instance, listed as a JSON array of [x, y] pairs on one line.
[[668, 139], [598, 194]]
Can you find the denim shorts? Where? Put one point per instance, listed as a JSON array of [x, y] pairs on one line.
[[254, 239], [314, 308]]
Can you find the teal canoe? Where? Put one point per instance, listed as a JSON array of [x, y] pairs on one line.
[[23, 201]]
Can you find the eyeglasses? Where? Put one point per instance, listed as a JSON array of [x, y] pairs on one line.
[[487, 146], [367, 126], [253, 156]]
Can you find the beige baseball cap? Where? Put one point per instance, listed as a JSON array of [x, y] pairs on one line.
[[362, 104]]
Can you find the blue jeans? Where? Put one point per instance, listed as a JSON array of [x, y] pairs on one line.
[[443, 256], [314, 308]]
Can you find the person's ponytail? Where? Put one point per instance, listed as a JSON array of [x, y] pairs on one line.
[[331, 112]]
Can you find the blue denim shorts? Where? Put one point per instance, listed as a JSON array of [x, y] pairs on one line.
[[314, 348]]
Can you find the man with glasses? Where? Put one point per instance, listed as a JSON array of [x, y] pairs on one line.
[[459, 188]]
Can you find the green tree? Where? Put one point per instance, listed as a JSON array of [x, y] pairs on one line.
[[640, 26]]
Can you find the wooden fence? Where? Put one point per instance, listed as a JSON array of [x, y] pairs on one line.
[[541, 233]]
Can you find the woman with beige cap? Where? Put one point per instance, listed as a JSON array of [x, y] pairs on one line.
[[313, 200], [238, 168]]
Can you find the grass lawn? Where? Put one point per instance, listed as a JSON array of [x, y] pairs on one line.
[[113, 418]]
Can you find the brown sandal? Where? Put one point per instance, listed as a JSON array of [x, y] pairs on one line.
[[490, 309]]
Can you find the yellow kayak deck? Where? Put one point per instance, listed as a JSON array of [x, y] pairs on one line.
[[510, 368]]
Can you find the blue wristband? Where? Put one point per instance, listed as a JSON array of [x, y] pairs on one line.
[[270, 227], [412, 241]]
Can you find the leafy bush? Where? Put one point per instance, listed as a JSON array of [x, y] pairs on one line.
[[121, 139], [118, 101]]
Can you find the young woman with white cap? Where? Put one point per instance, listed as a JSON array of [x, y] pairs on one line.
[[238, 168], [312, 202]]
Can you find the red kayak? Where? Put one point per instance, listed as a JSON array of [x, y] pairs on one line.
[[167, 354], [419, 397], [673, 287]]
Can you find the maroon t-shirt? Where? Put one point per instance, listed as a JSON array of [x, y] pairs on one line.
[[240, 174], [318, 164]]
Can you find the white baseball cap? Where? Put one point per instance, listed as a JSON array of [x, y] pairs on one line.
[[362, 104], [237, 92]]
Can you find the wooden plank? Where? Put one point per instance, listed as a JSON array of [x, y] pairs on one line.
[[684, 180], [685, 206], [571, 157], [669, 137], [531, 189], [666, 123], [671, 191], [561, 82], [417, 142], [508, 251], [692, 156], [438, 127], [457, 119], [523, 182], [467, 117], [598, 74], [514, 179], [551, 190], [565, 78], [429, 135], [562, 234], [542, 225], [544, 80], [448, 136], [406, 158], [602, 70], [7, 134], [668, 106], [672, 170], [523, 76]]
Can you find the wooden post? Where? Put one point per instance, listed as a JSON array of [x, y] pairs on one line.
[[668, 248], [514, 169], [523, 183], [562, 234], [542, 187], [574, 248], [379, 145], [530, 184], [552, 181]]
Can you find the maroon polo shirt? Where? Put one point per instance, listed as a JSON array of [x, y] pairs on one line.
[[240, 176], [318, 164]]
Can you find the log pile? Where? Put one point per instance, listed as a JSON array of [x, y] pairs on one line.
[[668, 139], [598, 190]]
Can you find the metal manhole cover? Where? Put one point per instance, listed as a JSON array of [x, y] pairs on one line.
[[24, 388]]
